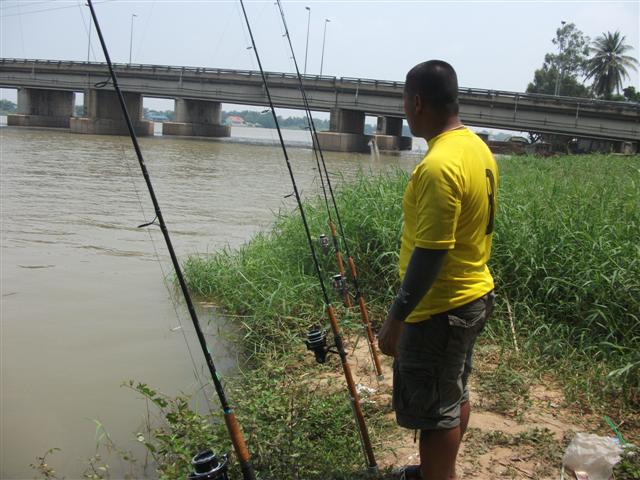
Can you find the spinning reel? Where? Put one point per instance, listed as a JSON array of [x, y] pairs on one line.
[[323, 243], [317, 343], [207, 466]]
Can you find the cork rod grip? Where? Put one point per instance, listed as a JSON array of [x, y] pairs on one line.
[[353, 393], [236, 436], [367, 324]]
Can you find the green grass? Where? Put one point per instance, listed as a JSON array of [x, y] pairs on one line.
[[566, 257]]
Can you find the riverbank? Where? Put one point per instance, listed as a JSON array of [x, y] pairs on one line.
[[560, 352], [566, 266]]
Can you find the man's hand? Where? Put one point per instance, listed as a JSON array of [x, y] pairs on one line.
[[389, 336]]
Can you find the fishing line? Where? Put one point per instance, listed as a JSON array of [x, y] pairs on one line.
[[24, 55], [87, 31], [339, 280], [202, 385], [231, 422], [339, 346], [146, 28], [214, 53], [252, 59], [172, 298], [174, 302], [22, 2], [49, 9]]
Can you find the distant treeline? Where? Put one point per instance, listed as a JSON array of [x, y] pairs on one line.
[[265, 120], [7, 106]]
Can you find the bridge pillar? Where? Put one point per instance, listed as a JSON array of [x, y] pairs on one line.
[[346, 132], [104, 115], [389, 134], [43, 108], [198, 118]]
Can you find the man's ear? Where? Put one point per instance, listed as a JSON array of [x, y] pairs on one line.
[[418, 105]]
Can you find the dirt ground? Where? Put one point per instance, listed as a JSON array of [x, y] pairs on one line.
[[526, 445]]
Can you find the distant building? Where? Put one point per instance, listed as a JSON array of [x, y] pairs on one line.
[[235, 121]]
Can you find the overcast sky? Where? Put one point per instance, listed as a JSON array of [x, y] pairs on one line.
[[493, 45]]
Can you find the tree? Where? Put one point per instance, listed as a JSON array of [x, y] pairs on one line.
[[7, 106], [631, 95], [544, 81], [560, 71], [608, 65]]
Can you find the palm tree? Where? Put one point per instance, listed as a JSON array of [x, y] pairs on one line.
[[608, 66]]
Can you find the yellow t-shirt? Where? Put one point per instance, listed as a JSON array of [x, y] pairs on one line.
[[450, 203]]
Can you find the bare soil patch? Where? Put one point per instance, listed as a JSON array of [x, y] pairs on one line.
[[518, 434]]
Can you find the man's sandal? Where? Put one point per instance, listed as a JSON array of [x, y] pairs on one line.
[[408, 472]]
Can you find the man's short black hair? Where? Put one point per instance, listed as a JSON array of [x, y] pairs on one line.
[[437, 84]]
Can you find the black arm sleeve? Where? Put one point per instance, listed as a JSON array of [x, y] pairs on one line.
[[423, 269]]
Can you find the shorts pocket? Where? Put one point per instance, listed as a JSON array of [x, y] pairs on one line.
[[415, 390], [468, 316]]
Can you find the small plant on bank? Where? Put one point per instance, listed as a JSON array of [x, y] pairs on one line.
[[629, 466], [43, 468]]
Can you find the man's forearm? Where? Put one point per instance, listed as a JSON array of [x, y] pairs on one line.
[[423, 269]]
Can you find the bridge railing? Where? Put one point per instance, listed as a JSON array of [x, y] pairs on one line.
[[575, 102]]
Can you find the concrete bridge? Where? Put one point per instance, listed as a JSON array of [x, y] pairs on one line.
[[46, 98]]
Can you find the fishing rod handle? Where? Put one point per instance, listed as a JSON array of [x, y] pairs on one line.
[[370, 337], [239, 445], [357, 409], [346, 298], [365, 321], [353, 392], [336, 247]]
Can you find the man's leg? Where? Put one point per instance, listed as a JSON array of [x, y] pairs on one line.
[[465, 413], [438, 452], [439, 449]]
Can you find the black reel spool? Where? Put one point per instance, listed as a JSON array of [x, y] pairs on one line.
[[317, 343], [339, 283], [323, 243], [207, 466]]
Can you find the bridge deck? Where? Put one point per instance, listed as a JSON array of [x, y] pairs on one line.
[[487, 108]]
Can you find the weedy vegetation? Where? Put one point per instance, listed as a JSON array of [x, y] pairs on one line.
[[629, 466]]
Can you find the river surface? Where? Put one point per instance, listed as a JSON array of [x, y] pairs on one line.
[[86, 301]]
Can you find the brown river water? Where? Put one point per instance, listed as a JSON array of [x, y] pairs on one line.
[[86, 303]]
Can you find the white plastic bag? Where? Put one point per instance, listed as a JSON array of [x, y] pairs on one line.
[[593, 454]]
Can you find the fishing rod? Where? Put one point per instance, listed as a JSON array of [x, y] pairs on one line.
[[233, 427], [338, 279], [353, 393]]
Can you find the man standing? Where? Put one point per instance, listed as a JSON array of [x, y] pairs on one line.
[[447, 290]]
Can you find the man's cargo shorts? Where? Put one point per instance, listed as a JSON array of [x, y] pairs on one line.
[[433, 364]]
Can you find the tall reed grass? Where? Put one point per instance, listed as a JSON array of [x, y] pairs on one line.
[[567, 255]]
